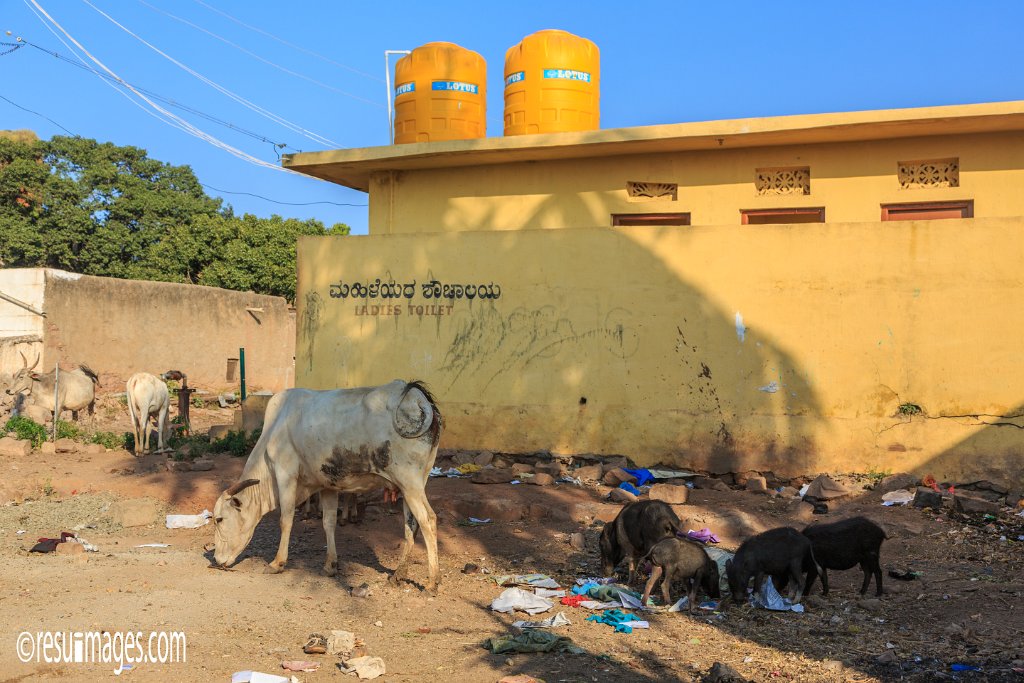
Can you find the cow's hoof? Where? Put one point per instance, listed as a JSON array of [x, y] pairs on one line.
[[273, 569], [396, 579], [432, 590], [331, 570]]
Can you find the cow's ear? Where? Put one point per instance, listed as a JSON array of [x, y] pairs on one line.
[[235, 503], [35, 375]]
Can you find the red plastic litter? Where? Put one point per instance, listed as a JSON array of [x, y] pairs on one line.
[[574, 600]]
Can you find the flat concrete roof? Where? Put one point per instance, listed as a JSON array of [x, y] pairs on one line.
[[354, 167]]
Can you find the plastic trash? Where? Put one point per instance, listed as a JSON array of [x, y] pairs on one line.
[[769, 598], [551, 622], [154, 545], [548, 593], [512, 599], [626, 486], [901, 497], [300, 665], [964, 667], [704, 535], [189, 521], [257, 677], [364, 667], [532, 580], [122, 669]]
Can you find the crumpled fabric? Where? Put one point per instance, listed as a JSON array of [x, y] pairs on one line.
[[574, 600], [551, 622], [469, 468], [533, 580], [769, 598], [610, 593], [512, 599], [584, 589], [720, 557], [704, 535], [532, 641], [642, 475], [626, 486], [616, 618]]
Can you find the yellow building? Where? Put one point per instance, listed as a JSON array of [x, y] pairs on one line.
[[831, 292]]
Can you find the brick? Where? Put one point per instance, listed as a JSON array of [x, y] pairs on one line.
[[542, 479], [974, 504], [553, 468], [617, 476], [621, 496], [757, 485], [483, 458], [70, 548], [9, 446], [522, 468], [66, 445], [927, 498], [588, 473], [669, 493]]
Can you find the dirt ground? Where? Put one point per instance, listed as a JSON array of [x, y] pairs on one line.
[[965, 607]]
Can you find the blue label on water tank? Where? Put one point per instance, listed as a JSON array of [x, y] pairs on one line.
[[567, 74], [457, 86], [515, 78], [404, 88]]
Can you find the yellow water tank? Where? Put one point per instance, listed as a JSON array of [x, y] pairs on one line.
[[440, 94], [552, 81]]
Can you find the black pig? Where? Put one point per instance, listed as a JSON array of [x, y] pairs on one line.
[[683, 560], [782, 552], [843, 544], [634, 532]]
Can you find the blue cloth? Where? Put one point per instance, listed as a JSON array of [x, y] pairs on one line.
[[642, 476], [614, 617], [626, 486], [585, 588]]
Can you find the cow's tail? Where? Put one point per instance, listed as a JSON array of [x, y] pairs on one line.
[[89, 372], [433, 426], [131, 409]]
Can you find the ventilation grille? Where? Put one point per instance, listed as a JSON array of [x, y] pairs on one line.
[[916, 175], [647, 192], [783, 181]]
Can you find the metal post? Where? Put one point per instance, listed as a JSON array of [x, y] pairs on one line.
[[241, 365], [56, 404]]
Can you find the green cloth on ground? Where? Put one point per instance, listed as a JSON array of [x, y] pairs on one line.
[[532, 641], [610, 593]]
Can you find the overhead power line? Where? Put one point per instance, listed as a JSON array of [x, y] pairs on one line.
[[15, 104], [256, 56], [291, 45], [219, 88]]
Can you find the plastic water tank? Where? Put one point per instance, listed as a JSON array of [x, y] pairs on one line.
[[552, 84], [440, 94]]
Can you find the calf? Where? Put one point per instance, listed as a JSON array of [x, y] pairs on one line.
[[782, 553], [684, 560], [843, 544], [634, 532]]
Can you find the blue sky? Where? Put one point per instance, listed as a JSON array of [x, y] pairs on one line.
[[667, 63]]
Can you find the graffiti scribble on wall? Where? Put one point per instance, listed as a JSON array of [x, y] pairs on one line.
[[433, 289]]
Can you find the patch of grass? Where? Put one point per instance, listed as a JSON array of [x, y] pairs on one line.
[[108, 440], [69, 430], [236, 443], [910, 409], [129, 442], [197, 401], [876, 476], [123, 400], [27, 430], [48, 489], [189, 447]]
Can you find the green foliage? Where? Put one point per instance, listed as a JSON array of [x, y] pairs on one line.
[[197, 401], [108, 440], [910, 409], [68, 430], [26, 430], [129, 442], [877, 476], [236, 443], [102, 209]]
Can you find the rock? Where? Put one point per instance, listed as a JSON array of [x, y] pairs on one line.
[[998, 487], [47, 448], [70, 548], [520, 678], [621, 496], [202, 465], [136, 512], [578, 541], [617, 476], [804, 512], [588, 473], [788, 492], [501, 463], [965, 504], [825, 488], [13, 447], [361, 591], [553, 468], [927, 498], [463, 458], [720, 486], [483, 458], [670, 493], [490, 475], [887, 657], [723, 673], [729, 478], [870, 604], [66, 445], [522, 468], [219, 432], [179, 466], [895, 482], [757, 485], [94, 448], [702, 482], [542, 479], [614, 463], [471, 568]]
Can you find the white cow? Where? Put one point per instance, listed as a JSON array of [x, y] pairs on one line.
[[147, 396], [76, 389], [344, 440]]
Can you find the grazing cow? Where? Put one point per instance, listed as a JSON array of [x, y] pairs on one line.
[[76, 389], [331, 442], [147, 396]]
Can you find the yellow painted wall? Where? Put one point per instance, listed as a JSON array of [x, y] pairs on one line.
[[850, 180], [841, 324]]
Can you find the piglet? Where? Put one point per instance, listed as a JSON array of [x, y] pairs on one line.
[[845, 543], [782, 553], [675, 558]]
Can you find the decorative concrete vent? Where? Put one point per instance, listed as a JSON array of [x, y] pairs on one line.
[[648, 192], [783, 181], [915, 175]]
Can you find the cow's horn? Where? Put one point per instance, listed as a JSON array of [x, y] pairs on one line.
[[36, 361], [241, 485]]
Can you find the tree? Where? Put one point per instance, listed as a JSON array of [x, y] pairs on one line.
[[102, 209]]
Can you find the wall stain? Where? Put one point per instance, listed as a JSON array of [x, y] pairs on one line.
[[312, 315]]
